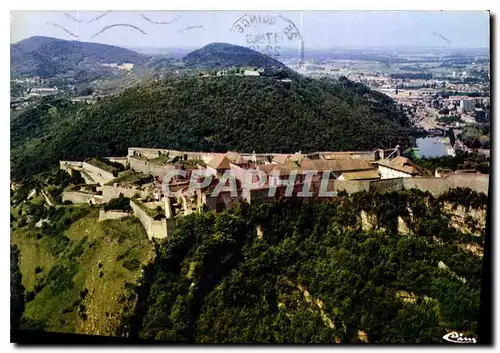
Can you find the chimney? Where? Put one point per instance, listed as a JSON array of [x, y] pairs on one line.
[[381, 154]]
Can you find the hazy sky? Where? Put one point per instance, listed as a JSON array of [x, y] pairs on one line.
[[319, 29]]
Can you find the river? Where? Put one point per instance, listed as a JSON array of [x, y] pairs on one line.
[[431, 147]]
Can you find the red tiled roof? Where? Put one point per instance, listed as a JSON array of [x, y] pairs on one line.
[[401, 164], [282, 169], [219, 162], [236, 158], [363, 175], [340, 165]]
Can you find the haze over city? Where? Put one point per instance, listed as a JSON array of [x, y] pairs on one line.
[[320, 29]]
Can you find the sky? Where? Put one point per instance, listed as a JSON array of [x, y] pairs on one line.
[[318, 29]]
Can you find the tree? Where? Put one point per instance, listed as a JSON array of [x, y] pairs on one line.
[[16, 290]]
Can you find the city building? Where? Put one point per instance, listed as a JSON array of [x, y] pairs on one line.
[[399, 167], [466, 105], [251, 73], [362, 175]]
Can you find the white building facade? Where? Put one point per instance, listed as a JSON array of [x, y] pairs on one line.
[[389, 173]]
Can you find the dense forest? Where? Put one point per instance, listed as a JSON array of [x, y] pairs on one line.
[[286, 272], [223, 55], [240, 113]]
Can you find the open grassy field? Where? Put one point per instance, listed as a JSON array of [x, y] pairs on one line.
[[86, 287]]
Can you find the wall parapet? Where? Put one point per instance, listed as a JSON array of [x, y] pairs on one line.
[[99, 175], [112, 192], [112, 214], [81, 197], [154, 228]]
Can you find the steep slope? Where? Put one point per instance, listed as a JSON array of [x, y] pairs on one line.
[[79, 273], [314, 275], [223, 55], [210, 113], [45, 56]]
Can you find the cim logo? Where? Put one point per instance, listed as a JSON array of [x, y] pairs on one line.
[[454, 337]]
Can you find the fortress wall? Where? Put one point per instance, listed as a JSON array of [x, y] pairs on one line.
[[211, 202], [438, 186], [151, 153], [159, 228], [435, 186], [238, 172], [148, 167], [99, 175], [88, 179], [350, 186], [367, 155], [122, 160], [394, 184], [81, 197], [148, 152], [170, 222], [154, 228], [68, 165], [477, 182], [111, 214], [112, 192], [224, 200]]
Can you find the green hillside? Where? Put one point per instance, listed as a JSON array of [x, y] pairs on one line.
[[46, 56], [212, 113], [78, 273]]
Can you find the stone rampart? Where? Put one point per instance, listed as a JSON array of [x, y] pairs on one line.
[[112, 214], [437, 186], [154, 228], [81, 197], [112, 192], [99, 175]]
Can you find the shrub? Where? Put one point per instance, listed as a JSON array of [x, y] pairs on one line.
[[131, 264], [84, 293], [38, 269], [30, 296], [123, 255], [159, 216], [121, 203], [60, 279], [39, 286]]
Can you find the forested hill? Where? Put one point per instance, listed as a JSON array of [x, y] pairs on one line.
[[246, 114], [223, 55], [46, 56]]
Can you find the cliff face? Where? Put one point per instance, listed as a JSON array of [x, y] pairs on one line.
[[466, 219]]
